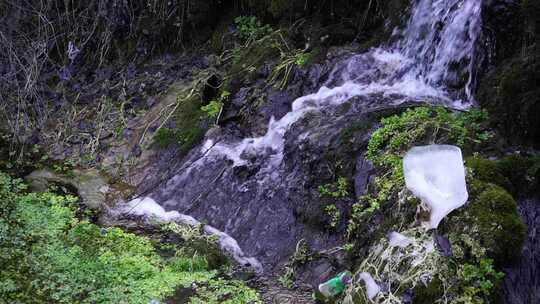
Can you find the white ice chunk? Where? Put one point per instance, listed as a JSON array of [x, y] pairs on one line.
[[436, 175], [372, 288], [397, 239]]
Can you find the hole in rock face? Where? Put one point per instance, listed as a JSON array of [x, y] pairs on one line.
[[211, 89]]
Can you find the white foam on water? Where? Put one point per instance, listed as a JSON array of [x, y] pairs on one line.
[[436, 175], [273, 141], [147, 207]]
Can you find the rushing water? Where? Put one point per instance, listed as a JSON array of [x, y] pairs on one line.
[[433, 59], [436, 52]]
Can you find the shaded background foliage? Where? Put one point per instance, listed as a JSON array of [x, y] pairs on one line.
[[509, 88], [44, 42]]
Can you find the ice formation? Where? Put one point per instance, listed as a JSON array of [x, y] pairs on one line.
[[372, 289], [397, 239], [149, 208], [436, 175]]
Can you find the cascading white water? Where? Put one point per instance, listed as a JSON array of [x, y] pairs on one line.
[[441, 36], [437, 49]]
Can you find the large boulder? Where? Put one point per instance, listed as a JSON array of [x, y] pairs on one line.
[[89, 185]]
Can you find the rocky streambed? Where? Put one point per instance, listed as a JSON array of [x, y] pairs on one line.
[[282, 171]]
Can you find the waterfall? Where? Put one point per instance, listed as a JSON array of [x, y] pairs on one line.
[[432, 60], [436, 51], [441, 36]]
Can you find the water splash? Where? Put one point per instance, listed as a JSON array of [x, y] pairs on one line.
[[441, 37], [148, 208]]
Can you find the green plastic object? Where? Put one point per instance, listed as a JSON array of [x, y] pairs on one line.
[[335, 285]]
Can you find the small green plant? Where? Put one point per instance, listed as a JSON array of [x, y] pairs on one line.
[[281, 73], [301, 256], [286, 279], [429, 125], [339, 189], [220, 291], [65, 167], [249, 27], [335, 215], [476, 274], [214, 108], [348, 247], [478, 280], [302, 59]]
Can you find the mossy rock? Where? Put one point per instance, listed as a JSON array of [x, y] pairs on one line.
[[517, 174], [248, 60], [492, 219], [523, 174], [488, 171], [186, 128]]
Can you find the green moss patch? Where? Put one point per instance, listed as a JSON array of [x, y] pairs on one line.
[[488, 171], [492, 219], [187, 127], [48, 255], [517, 174]]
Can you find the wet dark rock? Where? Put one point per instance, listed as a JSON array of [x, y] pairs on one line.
[[522, 280], [361, 179], [407, 297], [511, 95], [443, 245], [503, 28], [269, 212]]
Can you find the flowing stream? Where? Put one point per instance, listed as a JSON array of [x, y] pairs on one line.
[[433, 60], [436, 52]]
